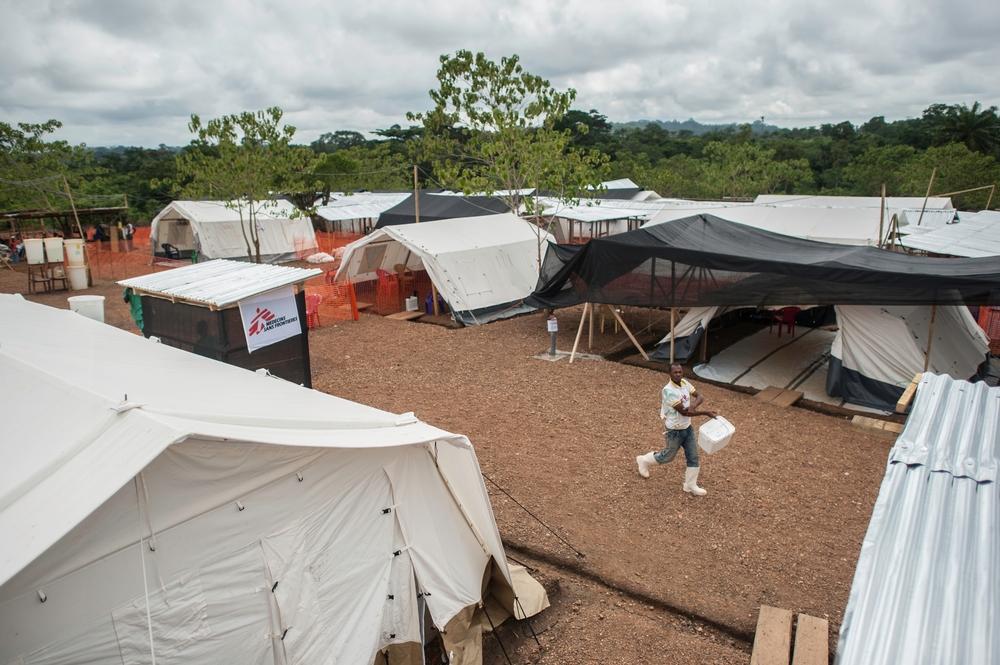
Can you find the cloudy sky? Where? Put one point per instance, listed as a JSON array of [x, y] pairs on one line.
[[132, 71]]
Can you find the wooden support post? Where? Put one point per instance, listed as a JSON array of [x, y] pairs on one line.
[[416, 197], [993, 190], [927, 196], [434, 300], [673, 338], [629, 333], [704, 345], [930, 338], [590, 333], [881, 216], [579, 331], [79, 228]]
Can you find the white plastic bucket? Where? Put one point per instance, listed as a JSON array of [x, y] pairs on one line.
[[74, 252], [77, 276], [412, 304], [90, 306], [54, 250], [34, 250], [715, 434]]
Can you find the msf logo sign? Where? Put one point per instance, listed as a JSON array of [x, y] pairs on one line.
[[260, 320]]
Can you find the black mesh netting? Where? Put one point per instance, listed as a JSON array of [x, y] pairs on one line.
[[218, 334], [704, 260]]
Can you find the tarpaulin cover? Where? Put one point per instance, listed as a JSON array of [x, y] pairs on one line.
[[441, 206], [705, 260]]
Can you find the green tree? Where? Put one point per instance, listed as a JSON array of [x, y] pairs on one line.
[[958, 168], [492, 129], [743, 170], [866, 174], [243, 160], [334, 141], [975, 127]]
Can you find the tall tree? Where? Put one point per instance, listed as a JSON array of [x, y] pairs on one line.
[[492, 129], [244, 160], [975, 127]]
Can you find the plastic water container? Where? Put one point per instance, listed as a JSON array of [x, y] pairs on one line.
[[412, 304], [90, 306], [77, 276], [74, 252], [34, 250], [54, 250], [715, 434]]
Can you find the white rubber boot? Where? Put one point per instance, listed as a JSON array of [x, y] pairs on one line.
[[646, 462], [691, 481]]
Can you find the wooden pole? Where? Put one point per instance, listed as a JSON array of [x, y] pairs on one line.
[[629, 333], [579, 331], [927, 196], [416, 197], [993, 190], [881, 216], [704, 345], [930, 337], [590, 333], [673, 337], [79, 228]]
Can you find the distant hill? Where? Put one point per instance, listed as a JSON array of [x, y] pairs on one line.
[[695, 127]]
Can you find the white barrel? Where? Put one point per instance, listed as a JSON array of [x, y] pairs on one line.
[[54, 250], [34, 250], [77, 276], [74, 252], [90, 306]]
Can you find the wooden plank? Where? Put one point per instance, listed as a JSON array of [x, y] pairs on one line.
[[865, 421], [896, 428], [405, 316], [787, 398], [772, 645], [811, 641], [904, 401], [362, 306], [768, 394]]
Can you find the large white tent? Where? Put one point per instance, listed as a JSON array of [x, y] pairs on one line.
[[483, 267], [216, 230], [975, 234], [359, 211], [157, 506]]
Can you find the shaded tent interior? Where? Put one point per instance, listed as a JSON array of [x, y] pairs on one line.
[[705, 261]]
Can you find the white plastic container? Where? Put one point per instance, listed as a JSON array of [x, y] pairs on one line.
[[412, 304], [74, 252], [54, 250], [77, 276], [90, 306], [34, 251], [715, 434]]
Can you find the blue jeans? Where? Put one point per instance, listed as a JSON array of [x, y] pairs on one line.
[[679, 438]]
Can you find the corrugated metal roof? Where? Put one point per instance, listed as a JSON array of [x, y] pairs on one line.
[[927, 586], [974, 235], [218, 283]]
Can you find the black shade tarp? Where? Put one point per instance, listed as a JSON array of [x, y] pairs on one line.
[[441, 206], [705, 260]]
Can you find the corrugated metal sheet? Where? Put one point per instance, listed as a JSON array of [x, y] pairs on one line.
[[218, 283], [927, 586], [975, 235]]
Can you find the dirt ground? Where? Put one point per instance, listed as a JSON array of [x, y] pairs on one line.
[[788, 501]]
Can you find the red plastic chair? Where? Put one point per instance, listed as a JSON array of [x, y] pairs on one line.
[[313, 301], [785, 317], [387, 292]]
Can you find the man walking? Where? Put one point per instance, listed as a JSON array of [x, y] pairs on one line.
[[680, 402]]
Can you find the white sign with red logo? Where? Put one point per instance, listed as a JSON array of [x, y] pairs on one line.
[[270, 317]]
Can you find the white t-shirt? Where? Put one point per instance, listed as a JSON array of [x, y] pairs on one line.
[[674, 395]]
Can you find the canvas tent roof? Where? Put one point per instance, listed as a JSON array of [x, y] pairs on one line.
[[704, 260], [216, 232], [440, 206], [483, 267], [152, 441], [974, 235], [361, 205], [808, 201], [218, 283], [927, 584], [594, 213]]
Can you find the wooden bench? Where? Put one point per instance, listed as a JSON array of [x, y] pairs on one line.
[[773, 641]]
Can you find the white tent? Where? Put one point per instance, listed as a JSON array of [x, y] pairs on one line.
[[360, 211], [215, 230], [856, 202], [483, 267], [155, 501], [976, 234]]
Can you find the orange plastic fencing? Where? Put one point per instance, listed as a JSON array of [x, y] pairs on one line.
[[107, 264], [330, 242], [989, 321], [338, 302]]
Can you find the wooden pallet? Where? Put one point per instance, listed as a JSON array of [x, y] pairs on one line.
[[779, 396], [773, 642], [405, 316]]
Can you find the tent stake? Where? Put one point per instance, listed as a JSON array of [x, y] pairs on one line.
[[930, 337], [629, 333], [579, 331]]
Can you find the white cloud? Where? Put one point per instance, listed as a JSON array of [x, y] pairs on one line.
[[120, 71]]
